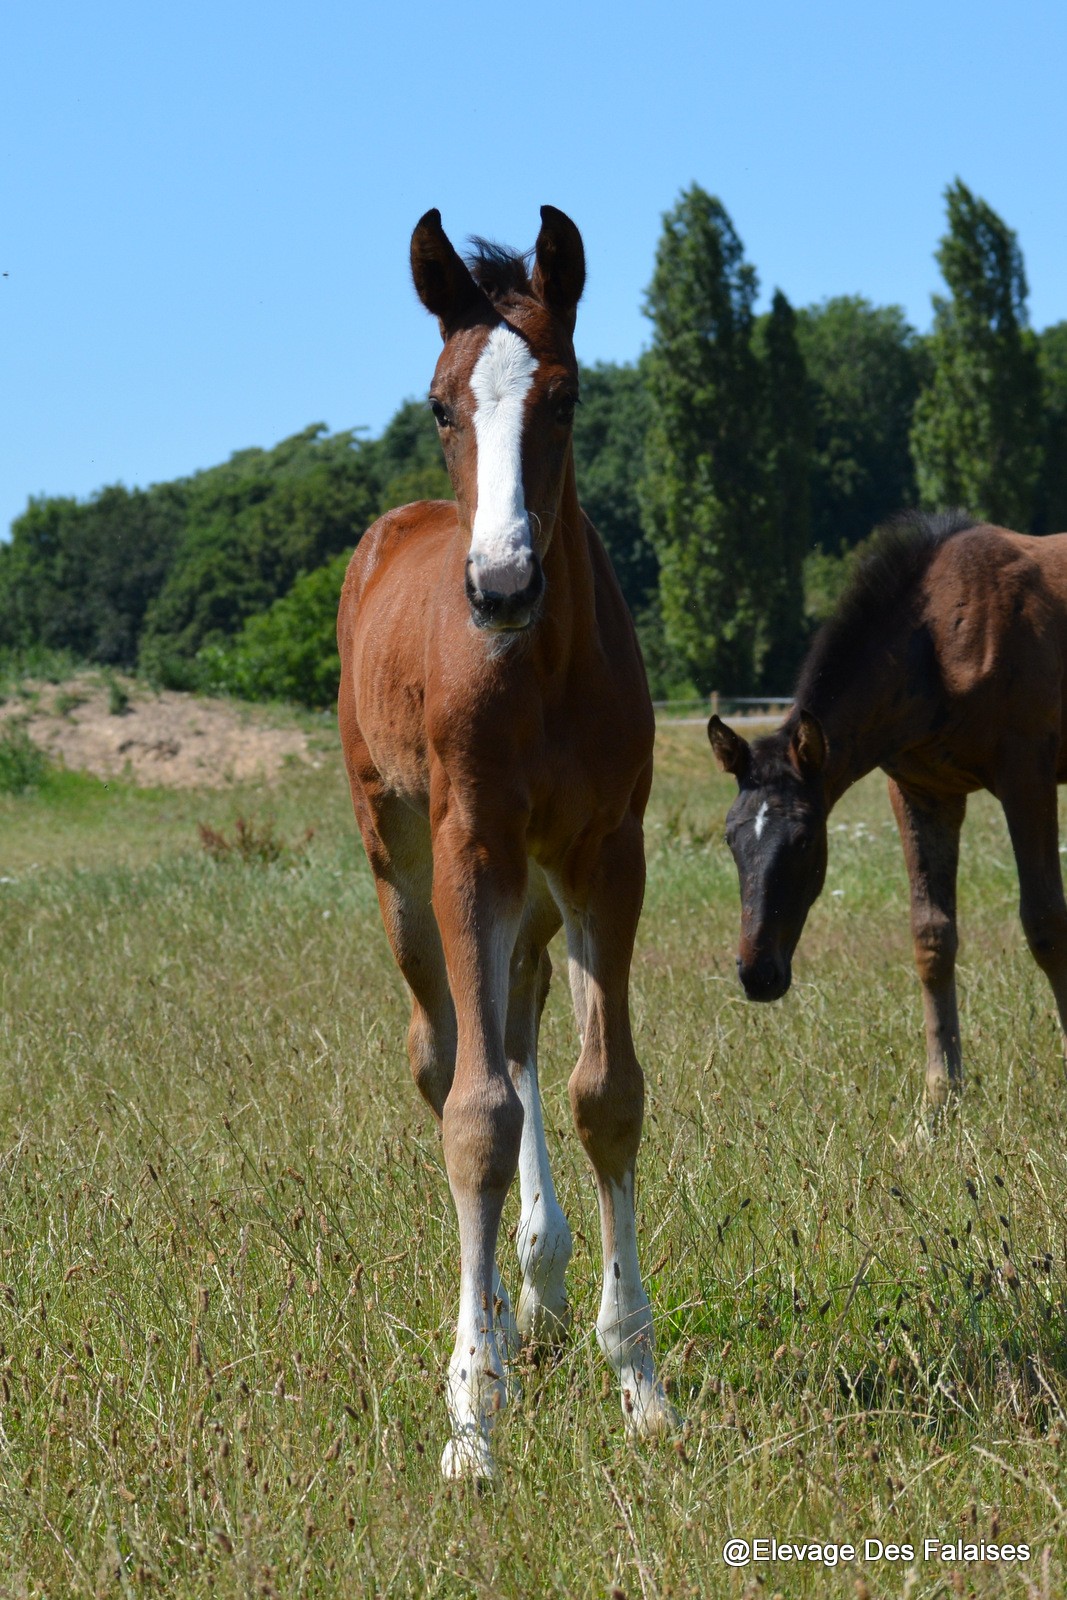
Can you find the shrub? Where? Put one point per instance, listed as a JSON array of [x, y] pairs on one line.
[[254, 843], [118, 699], [22, 764]]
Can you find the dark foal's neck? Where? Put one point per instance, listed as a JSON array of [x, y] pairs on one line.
[[873, 702]]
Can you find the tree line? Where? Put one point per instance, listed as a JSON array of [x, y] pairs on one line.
[[731, 470]]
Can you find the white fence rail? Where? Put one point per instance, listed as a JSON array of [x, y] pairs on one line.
[[725, 705]]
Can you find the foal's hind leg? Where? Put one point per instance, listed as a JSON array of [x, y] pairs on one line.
[[607, 1099], [1029, 801], [930, 834], [543, 1238]]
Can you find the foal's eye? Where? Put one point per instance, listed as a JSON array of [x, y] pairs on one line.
[[442, 415], [565, 407]]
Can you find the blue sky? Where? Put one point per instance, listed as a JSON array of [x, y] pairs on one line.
[[205, 209]]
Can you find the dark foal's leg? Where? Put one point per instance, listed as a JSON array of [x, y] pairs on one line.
[[479, 888], [930, 833], [1029, 801], [607, 1100], [543, 1239]]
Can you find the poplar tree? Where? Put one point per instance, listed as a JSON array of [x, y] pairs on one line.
[[1052, 486], [976, 435], [866, 368], [787, 460], [703, 490]]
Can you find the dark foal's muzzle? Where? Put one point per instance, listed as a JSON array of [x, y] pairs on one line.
[[506, 612], [766, 978]]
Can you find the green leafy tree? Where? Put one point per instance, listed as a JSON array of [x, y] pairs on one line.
[[703, 489], [252, 527], [865, 368], [1051, 516], [786, 453], [81, 577], [976, 437], [289, 651], [609, 452]]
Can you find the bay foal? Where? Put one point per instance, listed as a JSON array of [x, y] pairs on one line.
[[498, 732], [946, 666]]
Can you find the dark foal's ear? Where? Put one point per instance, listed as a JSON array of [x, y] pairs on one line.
[[442, 279], [731, 751], [559, 268], [808, 745]]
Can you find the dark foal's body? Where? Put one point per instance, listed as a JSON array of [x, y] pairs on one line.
[[946, 666]]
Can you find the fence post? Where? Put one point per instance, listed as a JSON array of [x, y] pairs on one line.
[[715, 702]]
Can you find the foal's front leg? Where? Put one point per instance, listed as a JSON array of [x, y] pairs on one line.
[[930, 833], [478, 889], [1029, 799], [607, 1095]]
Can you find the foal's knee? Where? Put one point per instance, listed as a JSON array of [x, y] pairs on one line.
[[1046, 934], [481, 1131], [608, 1107], [936, 944], [432, 1059]]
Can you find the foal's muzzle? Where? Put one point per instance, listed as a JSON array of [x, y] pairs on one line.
[[767, 978], [506, 612]]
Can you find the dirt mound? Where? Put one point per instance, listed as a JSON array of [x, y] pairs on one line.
[[116, 728]]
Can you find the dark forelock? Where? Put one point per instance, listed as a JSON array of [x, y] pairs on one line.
[[498, 271]]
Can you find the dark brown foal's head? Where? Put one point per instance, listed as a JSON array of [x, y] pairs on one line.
[[504, 394], [776, 830]]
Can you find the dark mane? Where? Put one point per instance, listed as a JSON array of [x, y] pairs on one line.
[[498, 271], [899, 555]]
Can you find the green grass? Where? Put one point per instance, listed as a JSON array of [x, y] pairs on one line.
[[228, 1263]]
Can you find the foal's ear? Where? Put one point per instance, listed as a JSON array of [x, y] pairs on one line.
[[559, 267], [808, 745], [442, 279], [731, 751]]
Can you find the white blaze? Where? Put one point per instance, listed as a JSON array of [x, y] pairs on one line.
[[761, 819], [501, 552]]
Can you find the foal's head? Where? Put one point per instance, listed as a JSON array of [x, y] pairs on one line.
[[504, 394], [776, 830]]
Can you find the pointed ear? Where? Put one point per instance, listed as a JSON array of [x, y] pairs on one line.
[[559, 269], [442, 280], [808, 745], [731, 751]]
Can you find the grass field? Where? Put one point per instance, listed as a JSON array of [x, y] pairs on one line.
[[229, 1263]]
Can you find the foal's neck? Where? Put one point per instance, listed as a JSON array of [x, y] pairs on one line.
[[570, 605], [868, 717]]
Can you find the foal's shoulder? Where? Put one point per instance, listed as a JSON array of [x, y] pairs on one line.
[[414, 525], [987, 557], [988, 583]]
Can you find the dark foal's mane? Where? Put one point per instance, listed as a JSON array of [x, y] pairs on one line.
[[499, 272], [900, 555]]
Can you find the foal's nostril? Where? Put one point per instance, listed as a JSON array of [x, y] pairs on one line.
[[492, 609], [765, 979]]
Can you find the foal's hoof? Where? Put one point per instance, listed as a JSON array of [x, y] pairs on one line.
[[467, 1456], [544, 1329], [651, 1416], [935, 1122]]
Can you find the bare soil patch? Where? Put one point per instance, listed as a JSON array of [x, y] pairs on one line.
[[181, 741]]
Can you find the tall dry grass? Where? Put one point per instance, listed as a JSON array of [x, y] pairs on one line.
[[229, 1263]]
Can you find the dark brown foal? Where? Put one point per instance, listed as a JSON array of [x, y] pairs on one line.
[[946, 666]]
